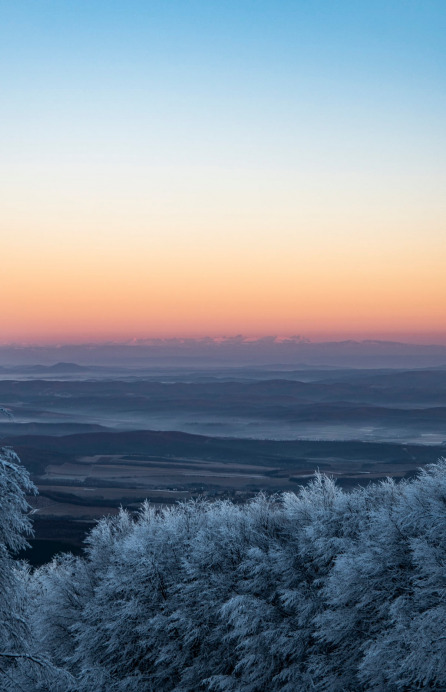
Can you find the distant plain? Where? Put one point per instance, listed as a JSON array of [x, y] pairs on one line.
[[95, 439]]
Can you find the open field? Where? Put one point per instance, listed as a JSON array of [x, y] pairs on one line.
[[83, 472]]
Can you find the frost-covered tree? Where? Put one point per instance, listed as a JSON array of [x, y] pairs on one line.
[[22, 668], [14, 527], [319, 590], [410, 651]]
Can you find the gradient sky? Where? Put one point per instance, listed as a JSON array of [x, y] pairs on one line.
[[201, 167]]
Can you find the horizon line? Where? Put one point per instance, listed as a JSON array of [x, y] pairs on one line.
[[237, 339]]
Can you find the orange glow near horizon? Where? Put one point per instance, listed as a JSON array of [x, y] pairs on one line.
[[84, 293]]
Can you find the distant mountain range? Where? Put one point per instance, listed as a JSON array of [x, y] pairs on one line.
[[225, 351]]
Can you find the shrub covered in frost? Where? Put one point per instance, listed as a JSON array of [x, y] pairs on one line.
[[322, 590]]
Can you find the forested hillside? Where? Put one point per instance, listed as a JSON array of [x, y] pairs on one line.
[[318, 590]]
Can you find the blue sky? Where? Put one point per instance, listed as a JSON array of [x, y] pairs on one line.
[[239, 81]]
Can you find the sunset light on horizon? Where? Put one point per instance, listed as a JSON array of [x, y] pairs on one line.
[[199, 169]]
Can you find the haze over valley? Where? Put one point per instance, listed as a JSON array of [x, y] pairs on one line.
[[97, 437]]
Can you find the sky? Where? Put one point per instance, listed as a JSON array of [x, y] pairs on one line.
[[195, 167]]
